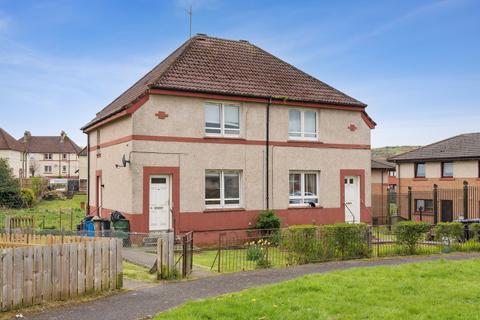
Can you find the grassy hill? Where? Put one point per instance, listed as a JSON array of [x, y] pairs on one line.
[[385, 152]]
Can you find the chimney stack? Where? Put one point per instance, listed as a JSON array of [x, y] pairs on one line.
[[63, 135], [26, 136]]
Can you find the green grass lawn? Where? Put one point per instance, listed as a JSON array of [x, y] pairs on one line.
[[135, 272], [55, 214], [431, 290]]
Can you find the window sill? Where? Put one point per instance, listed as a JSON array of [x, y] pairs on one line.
[[223, 210], [420, 179], [224, 137], [290, 140], [303, 207], [447, 179]]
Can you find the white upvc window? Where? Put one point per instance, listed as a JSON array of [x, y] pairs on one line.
[[222, 119], [47, 156], [47, 169], [222, 188], [302, 124], [64, 169], [303, 188]]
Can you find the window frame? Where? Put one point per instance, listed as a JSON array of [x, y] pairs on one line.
[[64, 156], [47, 156], [222, 199], [424, 169], [222, 128], [302, 125], [302, 197], [425, 207], [47, 171], [443, 168]]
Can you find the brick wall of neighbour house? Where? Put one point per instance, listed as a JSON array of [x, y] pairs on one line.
[[14, 160], [176, 144], [57, 162], [380, 183], [462, 171]]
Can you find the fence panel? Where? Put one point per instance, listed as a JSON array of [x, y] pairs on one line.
[[35, 273]]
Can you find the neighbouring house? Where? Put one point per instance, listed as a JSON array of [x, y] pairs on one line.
[[447, 163], [453, 167], [50, 156], [222, 129], [83, 170], [383, 184], [13, 151]]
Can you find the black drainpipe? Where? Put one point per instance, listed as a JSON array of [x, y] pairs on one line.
[[267, 155]]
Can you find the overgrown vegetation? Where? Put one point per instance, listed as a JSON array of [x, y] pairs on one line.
[[310, 243], [431, 290], [10, 196], [449, 232], [56, 214], [408, 233]]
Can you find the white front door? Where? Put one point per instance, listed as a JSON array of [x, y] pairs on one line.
[[160, 204], [352, 199]]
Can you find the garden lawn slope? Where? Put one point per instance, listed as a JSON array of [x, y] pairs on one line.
[[431, 290]]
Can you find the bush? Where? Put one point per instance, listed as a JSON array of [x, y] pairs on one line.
[[54, 195], [448, 231], [408, 233], [28, 197], [38, 186], [474, 230], [9, 187], [348, 240], [300, 242], [310, 243], [267, 219]]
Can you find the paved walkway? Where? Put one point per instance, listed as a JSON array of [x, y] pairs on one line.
[[141, 304]]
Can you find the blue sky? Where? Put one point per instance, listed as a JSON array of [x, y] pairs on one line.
[[415, 63]]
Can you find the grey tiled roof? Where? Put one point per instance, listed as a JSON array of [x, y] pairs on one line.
[[382, 164], [464, 146], [219, 66]]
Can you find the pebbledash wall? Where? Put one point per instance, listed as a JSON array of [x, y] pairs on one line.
[[166, 136], [14, 159]]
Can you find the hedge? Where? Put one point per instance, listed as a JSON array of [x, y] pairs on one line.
[[311, 243], [408, 233]]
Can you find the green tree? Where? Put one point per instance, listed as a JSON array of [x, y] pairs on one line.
[[9, 187]]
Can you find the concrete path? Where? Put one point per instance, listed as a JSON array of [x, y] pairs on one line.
[[141, 304]]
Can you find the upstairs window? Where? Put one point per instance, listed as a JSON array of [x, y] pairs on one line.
[[222, 119], [64, 156], [47, 156], [222, 189], [447, 169], [420, 170], [303, 188], [302, 124]]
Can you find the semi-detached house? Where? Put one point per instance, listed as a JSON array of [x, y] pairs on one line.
[[222, 129]]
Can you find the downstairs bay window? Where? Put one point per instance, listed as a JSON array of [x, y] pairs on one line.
[[303, 189], [222, 189]]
